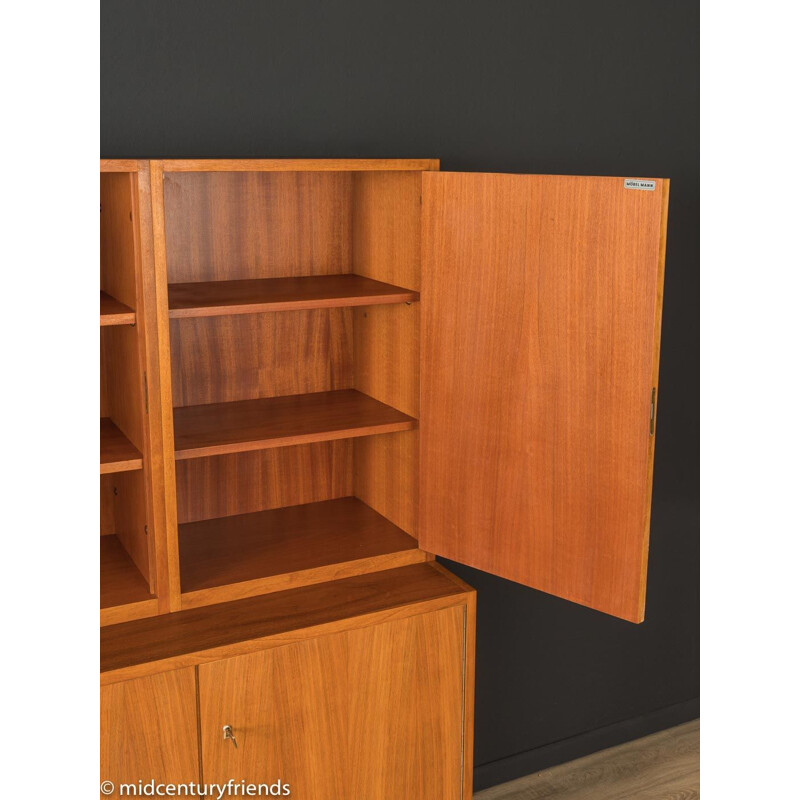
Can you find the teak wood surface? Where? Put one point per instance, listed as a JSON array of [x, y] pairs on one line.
[[217, 298], [117, 454], [219, 221], [126, 274], [264, 479], [342, 730], [124, 593], [112, 312], [247, 554], [246, 357], [219, 428], [541, 308], [199, 635], [149, 731], [331, 358], [266, 235], [298, 164]]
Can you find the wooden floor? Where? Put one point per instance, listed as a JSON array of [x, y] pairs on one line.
[[664, 766]]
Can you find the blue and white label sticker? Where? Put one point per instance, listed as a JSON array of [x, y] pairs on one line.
[[635, 183]]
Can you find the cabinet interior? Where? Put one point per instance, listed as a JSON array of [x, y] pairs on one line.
[[294, 346], [127, 566]]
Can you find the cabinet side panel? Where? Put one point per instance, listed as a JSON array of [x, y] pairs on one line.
[[386, 247], [386, 470], [539, 300], [148, 730], [386, 227]]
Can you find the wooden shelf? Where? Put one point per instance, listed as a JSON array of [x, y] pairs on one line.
[[204, 634], [112, 312], [122, 585], [218, 298], [248, 554], [117, 454], [236, 427]]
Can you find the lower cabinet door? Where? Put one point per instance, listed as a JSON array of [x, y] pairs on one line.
[[373, 713], [148, 732]]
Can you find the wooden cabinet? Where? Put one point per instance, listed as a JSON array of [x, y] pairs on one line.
[[148, 730], [372, 712], [351, 688], [319, 374]]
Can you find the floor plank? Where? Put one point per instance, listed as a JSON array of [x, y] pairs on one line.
[[664, 766]]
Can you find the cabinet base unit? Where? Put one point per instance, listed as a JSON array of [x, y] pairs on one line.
[[361, 687]]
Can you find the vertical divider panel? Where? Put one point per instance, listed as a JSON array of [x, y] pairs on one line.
[[123, 364], [161, 398], [142, 246], [386, 247]]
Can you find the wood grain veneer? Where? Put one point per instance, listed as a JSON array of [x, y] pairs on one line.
[[539, 300], [117, 237], [118, 165], [112, 312], [242, 483], [131, 521], [106, 504], [297, 164], [222, 359], [247, 554], [220, 428], [386, 247], [386, 476], [344, 730], [217, 298], [117, 454], [223, 226], [203, 634], [126, 354], [161, 550], [121, 582], [148, 730], [122, 379], [161, 421]]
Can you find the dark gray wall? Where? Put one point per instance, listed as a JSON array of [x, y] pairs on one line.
[[554, 86]]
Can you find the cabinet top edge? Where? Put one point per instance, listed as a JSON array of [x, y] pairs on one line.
[[120, 164], [275, 164], [475, 173]]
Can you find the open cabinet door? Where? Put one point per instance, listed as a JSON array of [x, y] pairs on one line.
[[541, 316]]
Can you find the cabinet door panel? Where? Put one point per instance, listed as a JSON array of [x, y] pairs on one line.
[[541, 309], [148, 729], [374, 712]]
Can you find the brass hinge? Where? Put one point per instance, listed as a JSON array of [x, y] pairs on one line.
[[146, 396], [653, 411]]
